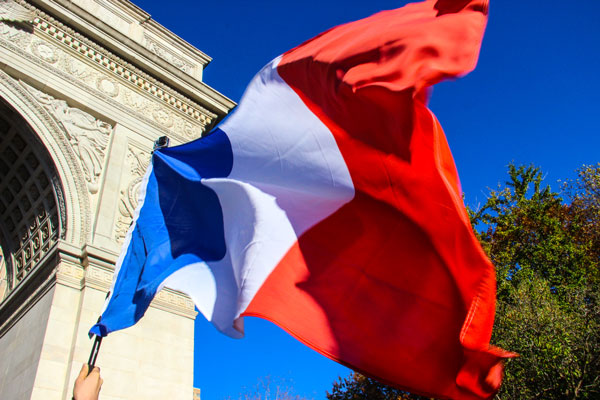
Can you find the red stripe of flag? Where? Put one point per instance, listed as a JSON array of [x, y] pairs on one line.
[[394, 284]]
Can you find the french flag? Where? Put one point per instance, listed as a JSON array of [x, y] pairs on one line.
[[329, 204]]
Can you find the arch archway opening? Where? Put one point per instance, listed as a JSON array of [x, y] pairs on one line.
[[29, 211]]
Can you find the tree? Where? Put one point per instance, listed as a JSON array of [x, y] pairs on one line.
[[531, 230], [546, 249], [546, 252], [357, 386], [269, 388]]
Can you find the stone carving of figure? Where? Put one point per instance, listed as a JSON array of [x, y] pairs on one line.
[[89, 138], [87, 135]]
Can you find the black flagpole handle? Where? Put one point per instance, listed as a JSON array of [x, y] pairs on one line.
[[95, 347], [94, 353]]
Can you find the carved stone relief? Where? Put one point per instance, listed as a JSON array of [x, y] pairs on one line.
[[14, 12], [87, 135], [71, 55], [167, 55], [108, 86], [15, 34], [138, 161], [44, 51]]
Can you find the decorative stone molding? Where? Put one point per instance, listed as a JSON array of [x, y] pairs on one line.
[[98, 277], [62, 207], [87, 135], [138, 163], [167, 55], [70, 274], [66, 36], [124, 88], [175, 302], [4, 277]]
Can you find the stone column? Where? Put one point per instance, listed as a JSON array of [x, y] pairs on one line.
[[109, 195]]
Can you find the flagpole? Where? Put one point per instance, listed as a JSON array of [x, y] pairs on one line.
[[95, 349]]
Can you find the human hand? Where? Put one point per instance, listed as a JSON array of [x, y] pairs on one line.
[[87, 387]]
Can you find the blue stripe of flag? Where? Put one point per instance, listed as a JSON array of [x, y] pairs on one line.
[[177, 206]]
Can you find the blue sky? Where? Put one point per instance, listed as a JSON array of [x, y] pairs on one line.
[[532, 99]]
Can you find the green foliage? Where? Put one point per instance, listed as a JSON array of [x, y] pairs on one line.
[[532, 231], [557, 343], [546, 249]]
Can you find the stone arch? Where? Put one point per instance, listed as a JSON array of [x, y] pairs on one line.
[[43, 197], [74, 199], [30, 194]]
